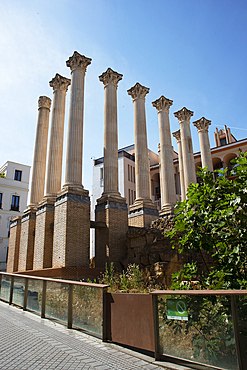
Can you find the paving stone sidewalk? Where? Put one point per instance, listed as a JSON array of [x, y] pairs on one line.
[[29, 342]]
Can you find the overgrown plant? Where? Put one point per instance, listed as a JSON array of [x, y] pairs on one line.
[[213, 218]]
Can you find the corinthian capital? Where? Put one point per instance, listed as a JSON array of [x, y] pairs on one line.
[[162, 104], [44, 102], [177, 136], [202, 124], [60, 83], [138, 91], [78, 61], [110, 77], [183, 114]]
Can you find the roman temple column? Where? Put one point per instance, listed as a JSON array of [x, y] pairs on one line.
[[183, 117], [73, 176], [111, 208], [177, 136], [43, 245], [37, 186], [167, 185], [202, 127], [71, 241], [143, 211]]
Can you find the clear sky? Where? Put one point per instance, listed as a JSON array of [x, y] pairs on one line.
[[191, 51]]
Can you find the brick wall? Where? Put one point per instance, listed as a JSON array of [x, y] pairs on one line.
[[110, 242], [14, 245], [43, 245], [71, 233], [27, 241]]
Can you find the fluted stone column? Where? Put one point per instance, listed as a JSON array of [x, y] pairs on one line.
[[177, 136], [143, 211], [43, 245], [110, 80], [28, 222], [183, 117], [202, 127], [71, 242], [40, 151], [78, 64], [111, 208], [60, 86], [167, 185]]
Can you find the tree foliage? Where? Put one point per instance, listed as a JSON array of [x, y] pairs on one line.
[[213, 218]]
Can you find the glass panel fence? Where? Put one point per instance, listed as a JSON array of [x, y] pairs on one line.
[[242, 326], [34, 295], [18, 291], [87, 308], [199, 329], [57, 300], [5, 287]]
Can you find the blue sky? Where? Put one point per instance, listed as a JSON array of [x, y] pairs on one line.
[[191, 51]]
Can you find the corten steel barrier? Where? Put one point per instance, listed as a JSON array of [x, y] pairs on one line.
[[78, 304], [201, 328]]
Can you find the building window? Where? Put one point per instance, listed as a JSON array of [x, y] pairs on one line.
[[102, 176], [17, 175], [223, 141], [128, 172], [15, 203], [134, 180], [1, 197]]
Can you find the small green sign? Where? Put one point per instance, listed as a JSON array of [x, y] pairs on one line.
[[177, 309]]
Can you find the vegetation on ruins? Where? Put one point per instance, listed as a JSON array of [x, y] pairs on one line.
[[213, 218]]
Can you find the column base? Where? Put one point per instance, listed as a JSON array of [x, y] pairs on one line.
[[14, 245], [166, 211], [28, 223], [110, 241], [142, 213], [71, 228], [43, 245]]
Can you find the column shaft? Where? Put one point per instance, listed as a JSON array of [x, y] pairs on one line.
[[168, 190], [54, 171], [202, 127], [187, 148], [39, 160], [181, 168], [141, 151]]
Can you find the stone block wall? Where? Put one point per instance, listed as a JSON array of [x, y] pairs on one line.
[[14, 245], [153, 252]]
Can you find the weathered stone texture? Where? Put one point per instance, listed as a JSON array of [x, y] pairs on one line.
[[153, 252], [27, 244], [14, 245], [71, 235]]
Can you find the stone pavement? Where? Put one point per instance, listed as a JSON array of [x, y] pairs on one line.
[[29, 342]]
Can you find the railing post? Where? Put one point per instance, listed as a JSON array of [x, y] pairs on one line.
[[0, 282], [25, 295], [104, 321], [43, 300], [70, 310], [236, 331], [11, 290], [156, 327]]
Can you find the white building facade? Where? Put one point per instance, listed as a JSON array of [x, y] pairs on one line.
[[13, 201]]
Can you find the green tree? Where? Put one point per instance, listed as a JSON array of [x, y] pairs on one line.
[[213, 218]]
